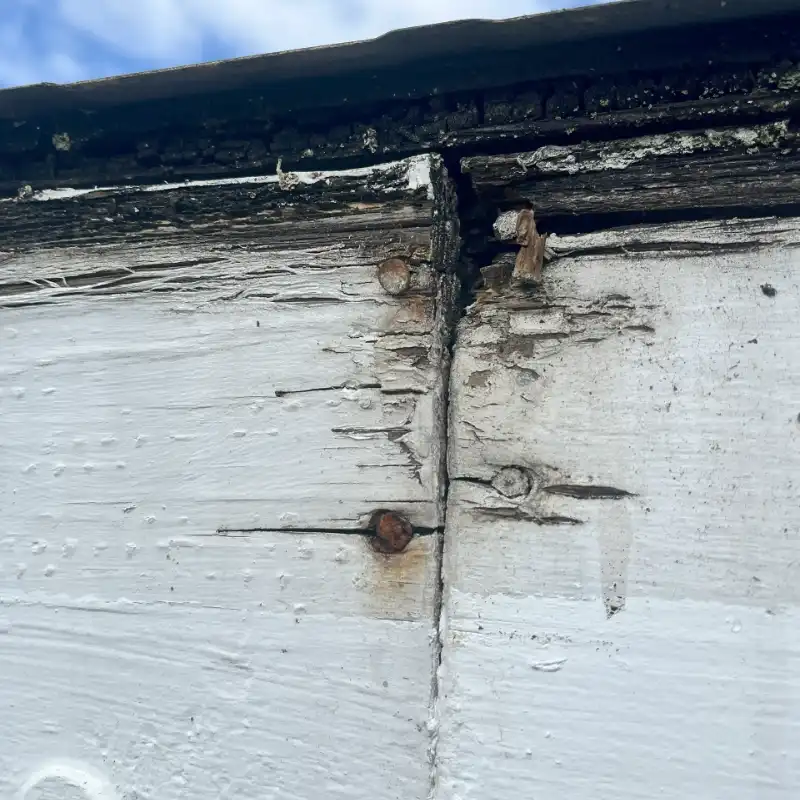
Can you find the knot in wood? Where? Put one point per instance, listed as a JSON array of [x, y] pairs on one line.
[[392, 533], [394, 276], [512, 482]]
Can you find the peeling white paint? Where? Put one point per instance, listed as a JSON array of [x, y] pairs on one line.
[[417, 169]]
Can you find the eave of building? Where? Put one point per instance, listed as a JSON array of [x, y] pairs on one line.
[[423, 60]]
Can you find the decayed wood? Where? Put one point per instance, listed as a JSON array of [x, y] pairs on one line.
[[301, 208], [734, 167], [530, 258], [621, 580], [739, 79], [196, 433], [645, 106]]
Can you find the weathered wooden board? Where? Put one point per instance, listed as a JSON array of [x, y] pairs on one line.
[[196, 429], [56, 136], [685, 171], [628, 627]]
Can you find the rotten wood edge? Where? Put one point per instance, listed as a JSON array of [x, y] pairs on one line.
[[756, 166], [748, 72]]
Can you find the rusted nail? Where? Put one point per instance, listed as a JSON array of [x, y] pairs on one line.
[[392, 532], [528, 267], [512, 482], [394, 276]]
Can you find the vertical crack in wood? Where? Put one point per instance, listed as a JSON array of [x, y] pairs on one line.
[[446, 313], [452, 299]]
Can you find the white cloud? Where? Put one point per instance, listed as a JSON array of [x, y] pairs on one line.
[[162, 28]]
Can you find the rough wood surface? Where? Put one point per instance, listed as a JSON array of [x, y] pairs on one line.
[[195, 433], [681, 171], [621, 573], [752, 76]]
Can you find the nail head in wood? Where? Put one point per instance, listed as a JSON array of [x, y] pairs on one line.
[[512, 482], [394, 276], [393, 533]]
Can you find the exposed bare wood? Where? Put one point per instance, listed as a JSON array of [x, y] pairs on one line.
[[530, 258]]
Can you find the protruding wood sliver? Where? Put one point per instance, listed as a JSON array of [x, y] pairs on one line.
[[530, 258]]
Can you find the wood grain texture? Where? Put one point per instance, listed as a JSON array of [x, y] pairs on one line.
[[680, 171], [627, 628], [195, 432]]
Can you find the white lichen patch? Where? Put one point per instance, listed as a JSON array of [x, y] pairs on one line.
[[790, 82], [576, 159], [62, 142], [371, 140]]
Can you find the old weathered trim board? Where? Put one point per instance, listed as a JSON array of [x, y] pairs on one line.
[[437, 439]]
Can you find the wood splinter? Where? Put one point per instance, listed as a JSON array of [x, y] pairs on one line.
[[528, 267]]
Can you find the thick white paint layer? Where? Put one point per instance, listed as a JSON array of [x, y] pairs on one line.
[[671, 376], [169, 410], [180, 425], [280, 669], [669, 699], [417, 169]]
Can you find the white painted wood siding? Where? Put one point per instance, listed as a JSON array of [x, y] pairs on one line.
[[196, 423], [629, 628], [199, 420]]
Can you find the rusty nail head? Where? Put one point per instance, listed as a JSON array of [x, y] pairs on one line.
[[392, 533], [394, 276]]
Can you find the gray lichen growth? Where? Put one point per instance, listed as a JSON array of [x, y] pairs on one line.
[[575, 159], [790, 81], [371, 140], [62, 142]]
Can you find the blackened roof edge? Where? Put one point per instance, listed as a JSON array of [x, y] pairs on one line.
[[393, 50]]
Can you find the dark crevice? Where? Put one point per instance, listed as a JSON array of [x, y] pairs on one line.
[[483, 482], [480, 104], [453, 308], [400, 392], [390, 431], [317, 389], [237, 532], [520, 515], [588, 492], [572, 225], [476, 217]]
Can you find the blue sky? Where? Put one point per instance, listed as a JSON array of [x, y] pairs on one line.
[[70, 40]]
